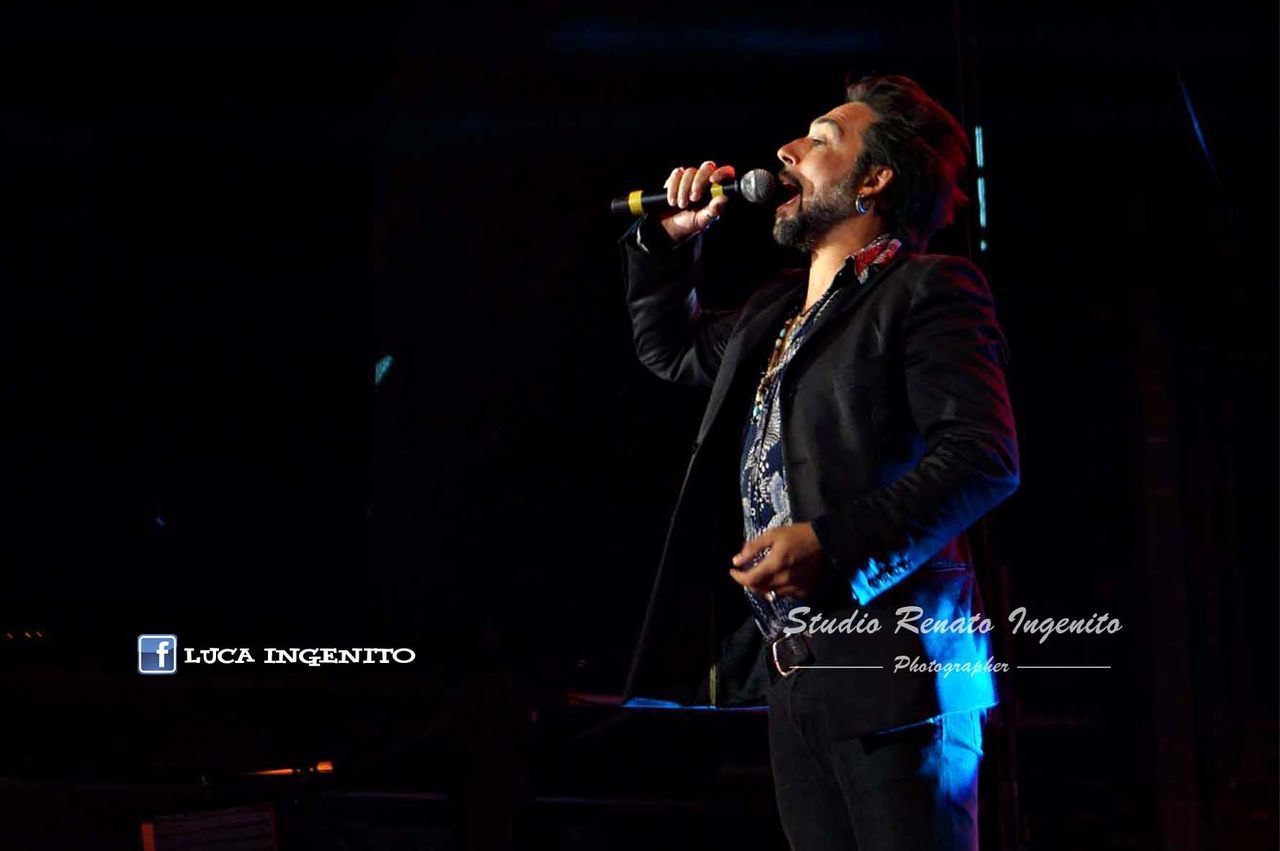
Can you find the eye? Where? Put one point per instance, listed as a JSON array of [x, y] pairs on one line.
[[815, 141]]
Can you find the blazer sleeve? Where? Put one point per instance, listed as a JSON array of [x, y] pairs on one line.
[[954, 358], [674, 336]]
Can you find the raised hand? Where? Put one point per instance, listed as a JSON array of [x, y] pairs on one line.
[[691, 184]]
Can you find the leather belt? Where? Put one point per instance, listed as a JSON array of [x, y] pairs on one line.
[[790, 651]]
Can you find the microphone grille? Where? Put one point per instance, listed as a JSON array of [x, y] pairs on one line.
[[757, 185]]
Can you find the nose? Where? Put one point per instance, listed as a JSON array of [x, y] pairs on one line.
[[789, 153]]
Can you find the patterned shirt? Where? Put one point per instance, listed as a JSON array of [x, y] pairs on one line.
[[766, 503]]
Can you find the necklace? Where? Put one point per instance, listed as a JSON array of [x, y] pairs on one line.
[[875, 253], [778, 357]]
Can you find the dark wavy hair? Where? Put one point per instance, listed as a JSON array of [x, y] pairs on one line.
[[924, 145]]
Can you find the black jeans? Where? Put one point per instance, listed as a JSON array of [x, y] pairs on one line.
[[913, 787]]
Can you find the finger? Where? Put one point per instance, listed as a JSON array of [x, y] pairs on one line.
[[673, 180], [686, 183], [700, 179], [776, 581], [753, 547], [760, 587], [713, 210], [723, 174], [761, 577]]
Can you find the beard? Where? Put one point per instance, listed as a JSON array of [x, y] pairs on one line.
[[813, 220]]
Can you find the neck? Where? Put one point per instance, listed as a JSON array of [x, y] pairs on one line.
[[828, 256]]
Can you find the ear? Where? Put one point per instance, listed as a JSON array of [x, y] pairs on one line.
[[875, 181]]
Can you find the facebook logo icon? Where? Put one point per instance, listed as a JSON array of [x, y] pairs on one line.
[[157, 654]]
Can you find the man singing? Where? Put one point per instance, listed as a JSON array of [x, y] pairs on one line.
[[858, 424]]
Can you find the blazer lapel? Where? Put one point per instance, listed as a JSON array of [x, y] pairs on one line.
[[846, 303], [742, 349], [760, 329]]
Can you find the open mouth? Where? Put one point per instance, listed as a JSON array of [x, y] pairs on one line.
[[788, 192], [792, 194]]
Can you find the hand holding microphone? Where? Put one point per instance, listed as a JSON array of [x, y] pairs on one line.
[[693, 198], [686, 188]]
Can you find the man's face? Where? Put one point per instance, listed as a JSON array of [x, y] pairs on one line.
[[821, 167]]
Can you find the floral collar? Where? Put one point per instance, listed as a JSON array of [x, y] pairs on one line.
[[873, 255]]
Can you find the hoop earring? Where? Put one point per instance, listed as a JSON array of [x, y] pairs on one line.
[[860, 204]]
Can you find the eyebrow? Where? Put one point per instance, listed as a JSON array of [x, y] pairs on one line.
[[839, 131]]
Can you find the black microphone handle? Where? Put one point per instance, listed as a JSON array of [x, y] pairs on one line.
[[639, 202]]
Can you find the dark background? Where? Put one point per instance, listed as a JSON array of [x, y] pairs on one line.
[[217, 220]]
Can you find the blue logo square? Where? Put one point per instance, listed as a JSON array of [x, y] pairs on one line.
[[157, 654]]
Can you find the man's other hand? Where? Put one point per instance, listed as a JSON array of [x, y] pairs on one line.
[[791, 566]]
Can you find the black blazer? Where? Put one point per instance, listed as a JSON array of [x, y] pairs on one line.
[[897, 436]]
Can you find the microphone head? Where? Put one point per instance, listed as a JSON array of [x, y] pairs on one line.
[[757, 186]]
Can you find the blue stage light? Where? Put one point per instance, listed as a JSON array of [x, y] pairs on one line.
[[380, 369]]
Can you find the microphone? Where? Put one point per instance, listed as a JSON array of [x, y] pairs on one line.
[[756, 186]]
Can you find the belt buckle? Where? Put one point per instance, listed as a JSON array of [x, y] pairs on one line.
[[777, 666]]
